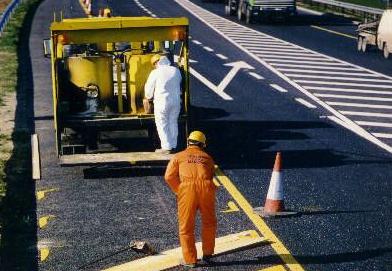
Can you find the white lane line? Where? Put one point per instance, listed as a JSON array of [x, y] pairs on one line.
[[251, 39], [366, 114], [288, 57], [350, 90], [196, 42], [342, 84], [210, 85], [252, 46], [382, 135], [192, 8], [305, 103], [255, 75], [375, 124], [314, 67], [378, 106], [284, 53], [274, 49], [145, 9], [338, 78], [350, 97], [329, 72], [278, 88], [324, 63], [222, 56], [209, 49]]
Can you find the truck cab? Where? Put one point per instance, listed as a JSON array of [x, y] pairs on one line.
[[252, 9]]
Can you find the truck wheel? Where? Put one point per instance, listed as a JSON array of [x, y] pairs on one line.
[[239, 13], [364, 45], [359, 47], [386, 51], [248, 19], [227, 10]]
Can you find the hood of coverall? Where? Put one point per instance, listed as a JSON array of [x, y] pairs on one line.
[[163, 61]]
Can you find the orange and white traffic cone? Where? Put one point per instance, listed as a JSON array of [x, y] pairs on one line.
[[89, 9], [274, 204]]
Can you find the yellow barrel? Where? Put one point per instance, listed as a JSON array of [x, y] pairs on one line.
[[92, 70], [138, 69]]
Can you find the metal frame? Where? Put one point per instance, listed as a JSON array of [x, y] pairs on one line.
[[118, 29]]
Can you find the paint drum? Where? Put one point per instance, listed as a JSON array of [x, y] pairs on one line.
[[92, 70]]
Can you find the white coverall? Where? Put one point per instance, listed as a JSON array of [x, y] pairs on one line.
[[164, 85]]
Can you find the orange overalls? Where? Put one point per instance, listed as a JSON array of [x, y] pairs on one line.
[[189, 175]]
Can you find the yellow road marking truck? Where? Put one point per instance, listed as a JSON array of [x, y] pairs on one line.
[[99, 68]]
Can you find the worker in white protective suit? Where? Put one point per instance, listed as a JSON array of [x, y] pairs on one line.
[[164, 87]]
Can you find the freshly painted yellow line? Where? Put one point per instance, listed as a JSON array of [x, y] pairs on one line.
[[274, 268], [334, 32], [42, 193], [232, 207], [43, 253], [173, 257], [277, 245], [216, 182], [43, 221]]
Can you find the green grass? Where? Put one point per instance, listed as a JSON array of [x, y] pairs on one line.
[[368, 3], [9, 64], [8, 71]]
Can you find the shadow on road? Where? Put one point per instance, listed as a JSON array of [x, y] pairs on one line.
[[248, 144], [344, 257], [18, 234]]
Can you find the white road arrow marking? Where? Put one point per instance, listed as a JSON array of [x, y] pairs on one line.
[[210, 85], [236, 67], [226, 81]]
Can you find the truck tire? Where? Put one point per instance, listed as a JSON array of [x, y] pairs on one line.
[[248, 18], [227, 10], [239, 12], [386, 51], [364, 45], [359, 45]]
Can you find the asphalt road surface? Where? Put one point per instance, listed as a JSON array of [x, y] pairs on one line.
[[298, 89]]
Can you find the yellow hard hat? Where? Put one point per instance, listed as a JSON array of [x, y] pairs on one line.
[[155, 58], [198, 136]]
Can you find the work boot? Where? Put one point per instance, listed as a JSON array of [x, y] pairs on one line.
[[188, 266], [207, 259]]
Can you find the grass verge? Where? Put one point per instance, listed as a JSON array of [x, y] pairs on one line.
[[17, 201]]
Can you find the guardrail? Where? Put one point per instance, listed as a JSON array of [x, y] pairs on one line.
[[348, 8], [5, 17]]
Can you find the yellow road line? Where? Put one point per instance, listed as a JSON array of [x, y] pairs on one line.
[[334, 32], [171, 258], [40, 195], [43, 221], [232, 207], [260, 224], [43, 253], [274, 268]]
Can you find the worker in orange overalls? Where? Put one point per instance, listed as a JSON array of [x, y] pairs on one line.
[[189, 175]]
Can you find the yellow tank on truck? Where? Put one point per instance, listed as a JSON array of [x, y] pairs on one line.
[[92, 70]]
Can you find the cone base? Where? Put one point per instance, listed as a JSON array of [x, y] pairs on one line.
[[260, 211]]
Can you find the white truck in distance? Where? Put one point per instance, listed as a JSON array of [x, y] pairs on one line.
[[378, 33]]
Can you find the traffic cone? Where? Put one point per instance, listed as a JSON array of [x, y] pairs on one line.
[[89, 9], [274, 204]]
